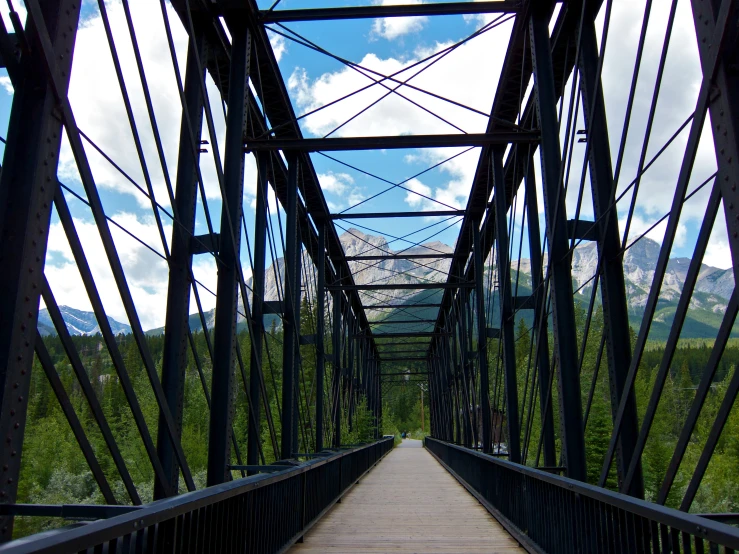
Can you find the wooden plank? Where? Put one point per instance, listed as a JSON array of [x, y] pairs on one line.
[[408, 503]]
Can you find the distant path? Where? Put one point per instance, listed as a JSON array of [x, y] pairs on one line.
[[408, 503]]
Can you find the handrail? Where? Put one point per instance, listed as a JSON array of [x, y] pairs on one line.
[[550, 513], [261, 513]]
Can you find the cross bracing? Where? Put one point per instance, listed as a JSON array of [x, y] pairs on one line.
[[297, 317]]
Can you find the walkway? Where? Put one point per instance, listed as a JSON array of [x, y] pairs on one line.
[[408, 503]]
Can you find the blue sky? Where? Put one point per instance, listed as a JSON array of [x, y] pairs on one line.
[[468, 75]]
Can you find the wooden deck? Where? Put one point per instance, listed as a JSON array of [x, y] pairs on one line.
[[408, 503]]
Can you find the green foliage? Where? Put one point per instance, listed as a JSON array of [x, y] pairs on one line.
[[53, 469]]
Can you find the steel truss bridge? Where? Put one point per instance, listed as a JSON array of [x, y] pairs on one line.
[[511, 430]]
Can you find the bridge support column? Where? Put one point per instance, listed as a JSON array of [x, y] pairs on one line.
[[482, 343], [336, 363], [540, 320], [291, 319], [320, 331], [560, 258], [257, 314], [27, 187], [613, 288], [506, 309], [177, 324], [224, 341]]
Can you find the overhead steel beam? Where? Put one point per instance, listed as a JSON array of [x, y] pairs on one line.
[[409, 335], [380, 344], [400, 373], [383, 215], [401, 257], [499, 138], [417, 351], [400, 306], [371, 12], [403, 321], [402, 286]]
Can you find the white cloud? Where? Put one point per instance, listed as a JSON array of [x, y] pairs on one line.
[[271, 200], [7, 85], [341, 189], [639, 226], [718, 253], [415, 200], [391, 28], [279, 46], [335, 183], [143, 268], [456, 76], [99, 110]]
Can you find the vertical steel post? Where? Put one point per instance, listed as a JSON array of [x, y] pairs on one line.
[[465, 345], [336, 362], [460, 437], [378, 393], [296, 345], [291, 319], [177, 325], [224, 339], [350, 370], [506, 308], [565, 340], [27, 188], [320, 331], [432, 394], [482, 342], [257, 313], [613, 287], [540, 319]]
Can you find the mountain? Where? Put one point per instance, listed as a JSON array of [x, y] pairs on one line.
[[355, 243], [707, 306], [79, 323]]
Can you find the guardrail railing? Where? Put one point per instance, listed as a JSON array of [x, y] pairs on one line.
[[549, 513], [262, 513]]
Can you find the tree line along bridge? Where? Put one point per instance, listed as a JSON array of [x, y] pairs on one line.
[[506, 460]]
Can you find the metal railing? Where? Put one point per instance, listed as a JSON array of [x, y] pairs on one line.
[[549, 513], [263, 513]]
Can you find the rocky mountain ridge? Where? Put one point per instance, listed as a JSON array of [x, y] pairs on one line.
[[78, 322], [713, 288]]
